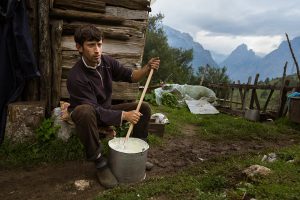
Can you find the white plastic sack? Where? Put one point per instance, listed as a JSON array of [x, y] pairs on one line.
[[185, 92]]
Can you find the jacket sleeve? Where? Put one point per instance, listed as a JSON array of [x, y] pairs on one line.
[[81, 93], [119, 72]]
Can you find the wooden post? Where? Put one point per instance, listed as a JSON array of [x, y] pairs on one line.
[[282, 97], [246, 93], [254, 93], [241, 92], [56, 32], [31, 90], [268, 100], [45, 51], [293, 55], [231, 97]]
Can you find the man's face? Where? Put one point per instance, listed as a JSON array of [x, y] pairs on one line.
[[91, 52]]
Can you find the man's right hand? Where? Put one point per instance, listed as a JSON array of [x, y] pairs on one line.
[[132, 116]]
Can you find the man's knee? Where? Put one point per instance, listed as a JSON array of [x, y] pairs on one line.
[[83, 112], [145, 109]]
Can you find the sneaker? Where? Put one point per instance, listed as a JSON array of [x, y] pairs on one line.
[[149, 166], [106, 178]]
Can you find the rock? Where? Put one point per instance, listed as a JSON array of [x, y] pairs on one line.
[[66, 130], [82, 184], [22, 120], [256, 170]]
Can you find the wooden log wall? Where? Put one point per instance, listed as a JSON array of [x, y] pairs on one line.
[[124, 24]]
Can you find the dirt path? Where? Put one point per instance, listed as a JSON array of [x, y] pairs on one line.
[[57, 181]]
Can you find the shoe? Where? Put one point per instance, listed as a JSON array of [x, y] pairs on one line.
[[101, 162], [149, 166], [106, 178]]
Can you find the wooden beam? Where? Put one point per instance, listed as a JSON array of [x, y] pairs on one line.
[[32, 91], [44, 56], [131, 4], [127, 13], [56, 32], [82, 5], [85, 16]]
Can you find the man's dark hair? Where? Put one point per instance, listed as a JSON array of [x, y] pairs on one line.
[[87, 33]]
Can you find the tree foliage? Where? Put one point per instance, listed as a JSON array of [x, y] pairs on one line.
[[175, 64], [212, 75]]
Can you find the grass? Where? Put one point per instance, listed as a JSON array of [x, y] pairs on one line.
[[29, 154], [219, 178]]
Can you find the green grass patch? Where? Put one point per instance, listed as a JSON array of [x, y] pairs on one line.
[[29, 154]]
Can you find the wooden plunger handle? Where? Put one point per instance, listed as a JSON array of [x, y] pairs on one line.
[[140, 103]]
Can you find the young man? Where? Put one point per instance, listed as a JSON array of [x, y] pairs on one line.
[[90, 88]]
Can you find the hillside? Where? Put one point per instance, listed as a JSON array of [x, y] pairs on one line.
[[177, 39]]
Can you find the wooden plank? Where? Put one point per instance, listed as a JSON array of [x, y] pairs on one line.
[[69, 58], [44, 56], [125, 91], [109, 32], [56, 32], [131, 4], [127, 13], [82, 5], [85, 16], [121, 90], [133, 46]]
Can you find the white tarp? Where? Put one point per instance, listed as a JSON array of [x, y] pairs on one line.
[[201, 107]]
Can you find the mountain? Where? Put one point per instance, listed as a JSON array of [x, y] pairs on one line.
[[177, 39], [273, 63], [241, 63]]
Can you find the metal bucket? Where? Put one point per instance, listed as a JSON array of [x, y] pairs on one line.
[[128, 163], [294, 109], [252, 115]]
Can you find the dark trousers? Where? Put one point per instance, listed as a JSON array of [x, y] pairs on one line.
[[85, 119]]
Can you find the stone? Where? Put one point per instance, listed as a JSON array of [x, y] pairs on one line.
[[22, 120], [82, 184], [256, 170]]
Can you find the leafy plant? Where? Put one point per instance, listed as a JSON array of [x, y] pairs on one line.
[[47, 131], [169, 100], [150, 97]]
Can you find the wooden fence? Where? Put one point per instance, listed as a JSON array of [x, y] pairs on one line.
[[248, 97]]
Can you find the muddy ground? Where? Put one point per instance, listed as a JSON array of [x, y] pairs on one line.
[[57, 181]]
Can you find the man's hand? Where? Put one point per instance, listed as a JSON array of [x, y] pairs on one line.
[[132, 116], [153, 63]]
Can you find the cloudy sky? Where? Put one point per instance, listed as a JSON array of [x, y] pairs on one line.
[[222, 25]]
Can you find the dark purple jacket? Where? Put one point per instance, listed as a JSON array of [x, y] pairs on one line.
[[94, 87]]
